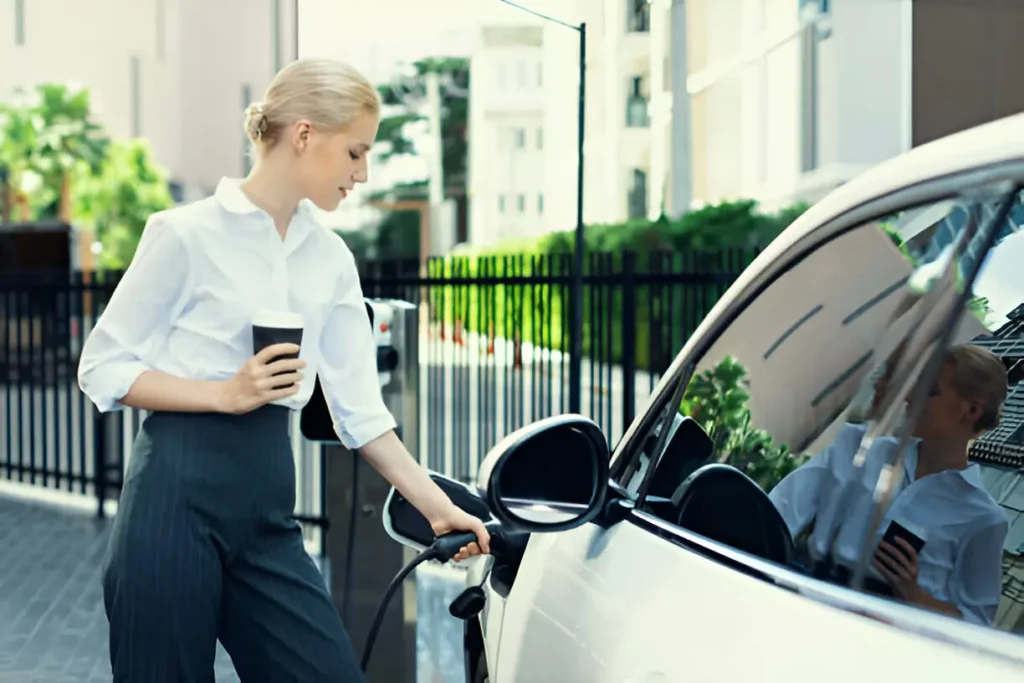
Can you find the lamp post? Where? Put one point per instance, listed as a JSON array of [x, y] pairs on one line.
[[576, 289]]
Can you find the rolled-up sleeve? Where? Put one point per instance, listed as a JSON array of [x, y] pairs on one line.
[[798, 497], [976, 584], [348, 365], [135, 323]]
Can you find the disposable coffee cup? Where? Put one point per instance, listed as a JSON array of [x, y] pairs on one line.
[[276, 327]]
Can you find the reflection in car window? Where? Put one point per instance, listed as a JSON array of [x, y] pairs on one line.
[[999, 453], [827, 355]]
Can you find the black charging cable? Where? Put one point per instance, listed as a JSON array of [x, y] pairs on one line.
[[443, 549]]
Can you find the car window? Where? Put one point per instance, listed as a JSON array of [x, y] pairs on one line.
[[806, 401]]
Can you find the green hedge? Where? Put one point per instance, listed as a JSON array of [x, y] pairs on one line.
[[673, 270], [528, 295], [727, 225]]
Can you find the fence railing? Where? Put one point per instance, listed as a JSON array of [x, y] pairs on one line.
[[495, 336], [493, 340]]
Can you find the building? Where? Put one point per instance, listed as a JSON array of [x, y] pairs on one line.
[[523, 182], [619, 141], [1001, 456], [789, 101], [522, 124], [507, 136], [176, 72], [699, 101]]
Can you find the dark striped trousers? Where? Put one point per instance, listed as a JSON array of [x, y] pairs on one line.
[[204, 548]]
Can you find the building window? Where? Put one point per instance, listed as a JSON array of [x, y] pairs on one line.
[[521, 203], [519, 138], [636, 106], [500, 77], [501, 203], [540, 203], [19, 22], [636, 199], [246, 152], [540, 74], [540, 138], [136, 95], [521, 74], [638, 16]]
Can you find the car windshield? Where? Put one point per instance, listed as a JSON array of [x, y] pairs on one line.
[[809, 391]]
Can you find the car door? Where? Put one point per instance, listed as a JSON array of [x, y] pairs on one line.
[[782, 365]]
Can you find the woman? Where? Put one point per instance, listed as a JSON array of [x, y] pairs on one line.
[[958, 569], [203, 547]]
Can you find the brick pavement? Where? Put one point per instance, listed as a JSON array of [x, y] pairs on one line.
[[52, 625]]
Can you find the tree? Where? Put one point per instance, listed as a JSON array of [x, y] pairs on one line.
[[393, 134], [717, 400], [69, 141], [18, 133], [394, 129], [46, 137], [117, 201]]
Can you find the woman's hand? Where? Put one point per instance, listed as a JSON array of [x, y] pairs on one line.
[[388, 456], [898, 564], [454, 518], [261, 381]]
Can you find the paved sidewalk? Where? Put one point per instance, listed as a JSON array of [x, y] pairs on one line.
[[52, 625]]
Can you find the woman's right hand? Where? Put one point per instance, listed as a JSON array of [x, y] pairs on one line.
[[255, 384]]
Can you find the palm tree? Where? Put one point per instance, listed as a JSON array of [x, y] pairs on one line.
[[68, 140], [18, 139], [46, 134]]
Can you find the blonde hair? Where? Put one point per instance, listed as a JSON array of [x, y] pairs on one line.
[[328, 93], [979, 374]]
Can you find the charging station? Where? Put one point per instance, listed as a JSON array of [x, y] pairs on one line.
[[361, 557]]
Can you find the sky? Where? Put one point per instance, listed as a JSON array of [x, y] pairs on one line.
[[1001, 278]]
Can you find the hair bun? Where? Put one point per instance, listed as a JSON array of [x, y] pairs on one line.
[[255, 121]]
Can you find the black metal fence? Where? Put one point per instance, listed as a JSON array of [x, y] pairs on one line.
[[493, 338]]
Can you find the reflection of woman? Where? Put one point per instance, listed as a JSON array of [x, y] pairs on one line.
[[958, 570], [204, 547]]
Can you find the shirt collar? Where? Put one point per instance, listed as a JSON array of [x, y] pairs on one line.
[[229, 194], [970, 474]]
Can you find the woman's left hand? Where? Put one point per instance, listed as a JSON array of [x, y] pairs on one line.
[[455, 518]]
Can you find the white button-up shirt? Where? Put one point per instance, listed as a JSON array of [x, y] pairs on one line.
[[184, 307], [961, 561]]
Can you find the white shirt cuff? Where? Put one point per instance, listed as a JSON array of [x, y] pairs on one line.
[[106, 386], [357, 432]]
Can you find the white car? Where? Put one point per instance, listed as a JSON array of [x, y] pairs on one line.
[[610, 570]]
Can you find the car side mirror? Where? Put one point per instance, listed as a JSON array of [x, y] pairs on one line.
[[551, 475]]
